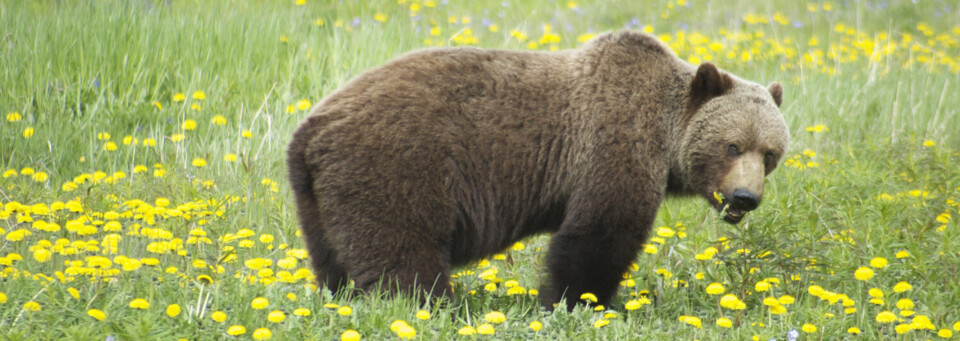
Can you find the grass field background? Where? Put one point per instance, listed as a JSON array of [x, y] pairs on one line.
[[144, 194]]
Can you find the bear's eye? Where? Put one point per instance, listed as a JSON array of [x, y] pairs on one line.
[[768, 159], [733, 150]]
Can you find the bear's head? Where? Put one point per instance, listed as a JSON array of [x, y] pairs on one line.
[[733, 136]]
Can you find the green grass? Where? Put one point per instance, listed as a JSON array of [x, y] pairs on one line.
[[879, 179]]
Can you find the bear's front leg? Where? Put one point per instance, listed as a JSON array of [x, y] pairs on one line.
[[591, 257]]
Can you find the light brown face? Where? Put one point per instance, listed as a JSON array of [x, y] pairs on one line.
[[733, 142], [751, 148]]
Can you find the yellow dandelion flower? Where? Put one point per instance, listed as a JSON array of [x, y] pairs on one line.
[[905, 304], [246, 134], [423, 315], [715, 289], [495, 317], [945, 333], [929, 143], [173, 310], [724, 322], [395, 325], [345, 311], [878, 262], [303, 104], [189, 125], [262, 334], [3, 298], [590, 297], [97, 314], [149, 142], [14, 117], [901, 287], [198, 162], [902, 254], [42, 255], [761, 286], [944, 217], [406, 332], [230, 157], [158, 105], [276, 316], [73, 293], [691, 320], [486, 329], [301, 312], [536, 326], [350, 335], [732, 302], [650, 248], [219, 316], [32, 306], [778, 309], [259, 303], [809, 328], [199, 95], [886, 317], [903, 328], [236, 330], [863, 273], [467, 331], [27, 133], [139, 303], [379, 17], [219, 120], [600, 323], [819, 128]]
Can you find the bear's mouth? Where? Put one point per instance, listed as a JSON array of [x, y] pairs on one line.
[[734, 215]]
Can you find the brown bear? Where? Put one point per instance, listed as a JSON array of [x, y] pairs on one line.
[[443, 156]]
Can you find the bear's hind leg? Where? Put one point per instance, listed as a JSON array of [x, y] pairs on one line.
[[328, 270], [323, 257], [400, 263]]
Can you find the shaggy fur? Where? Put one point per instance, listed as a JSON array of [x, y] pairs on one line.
[[444, 156]]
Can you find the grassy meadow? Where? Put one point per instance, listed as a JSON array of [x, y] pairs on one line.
[[143, 192]]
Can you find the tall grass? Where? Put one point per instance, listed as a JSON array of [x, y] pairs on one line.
[[871, 170]]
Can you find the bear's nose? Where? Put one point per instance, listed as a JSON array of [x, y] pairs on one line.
[[744, 200]]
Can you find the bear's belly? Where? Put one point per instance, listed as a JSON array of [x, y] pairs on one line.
[[473, 240]]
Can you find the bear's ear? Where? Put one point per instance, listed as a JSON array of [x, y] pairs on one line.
[[776, 90], [708, 83]]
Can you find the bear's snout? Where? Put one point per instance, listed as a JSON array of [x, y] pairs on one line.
[[742, 187], [744, 200]]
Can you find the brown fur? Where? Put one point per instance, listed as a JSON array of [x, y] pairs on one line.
[[443, 156]]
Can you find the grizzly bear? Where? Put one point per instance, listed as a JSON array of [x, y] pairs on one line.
[[444, 156]]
